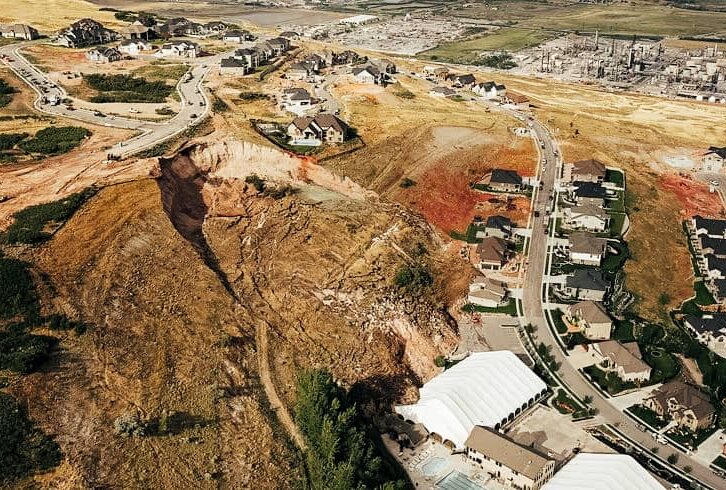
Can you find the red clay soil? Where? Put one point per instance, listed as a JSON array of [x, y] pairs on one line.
[[693, 196]]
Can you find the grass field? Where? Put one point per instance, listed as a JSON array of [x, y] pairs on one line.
[[51, 15], [508, 39]]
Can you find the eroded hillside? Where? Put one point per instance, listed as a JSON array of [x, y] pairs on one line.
[[206, 290]]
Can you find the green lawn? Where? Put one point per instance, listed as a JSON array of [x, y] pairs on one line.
[[612, 262], [608, 382], [508, 309], [565, 404], [505, 39], [648, 416], [720, 462], [615, 177], [469, 236], [703, 295], [617, 220], [623, 331], [559, 323]]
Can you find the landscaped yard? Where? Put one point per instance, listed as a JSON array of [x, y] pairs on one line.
[[614, 262], [469, 236], [559, 323], [720, 462], [615, 177], [609, 382], [617, 220], [688, 438], [648, 416], [509, 309]]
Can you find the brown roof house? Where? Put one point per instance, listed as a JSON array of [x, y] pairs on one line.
[[590, 318], [503, 180], [586, 248], [623, 359], [487, 292], [714, 159], [506, 461], [491, 254], [684, 404], [584, 171], [316, 130], [519, 100]]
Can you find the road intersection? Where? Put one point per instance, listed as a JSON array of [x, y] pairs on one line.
[[194, 105]]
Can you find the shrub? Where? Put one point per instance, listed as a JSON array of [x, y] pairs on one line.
[[500, 61], [55, 140], [129, 425], [165, 111], [219, 105], [25, 450], [17, 292], [440, 361], [22, 352], [6, 93], [9, 140], [30, 225], [251, 96], [673, 458], [126, 88], [413, 277], [406, 183], [257, 182]]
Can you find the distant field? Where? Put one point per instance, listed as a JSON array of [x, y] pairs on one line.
[[51, 15], [508, 39]]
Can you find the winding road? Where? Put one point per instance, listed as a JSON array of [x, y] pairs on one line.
[[194, 105], [533, 311]]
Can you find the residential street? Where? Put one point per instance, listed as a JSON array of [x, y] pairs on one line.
[[533, 312], [194, 107]]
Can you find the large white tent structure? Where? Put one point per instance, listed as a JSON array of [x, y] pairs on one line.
[[602, 472], [486, 388]]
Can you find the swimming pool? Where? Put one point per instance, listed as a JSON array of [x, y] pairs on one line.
[[434, 466]]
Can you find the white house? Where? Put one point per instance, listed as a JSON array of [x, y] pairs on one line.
[[587, 216], [489, 90], [182, 49], [103, 55], [487, 292], [296, 100], [237, 36], [233, 66], [590, 318], [134, 47], [714, 159], [367, 74], [19, 31], [511, 464], [586, 248], [623, 359]]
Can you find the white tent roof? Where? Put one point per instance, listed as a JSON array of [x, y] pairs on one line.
[[602, 472], [483, 389]]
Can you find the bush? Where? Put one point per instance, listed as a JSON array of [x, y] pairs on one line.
[[55, 140], [9, 140], [406, 183], [22, 352], [17, 292], [30, 225], [413, 277], [219, 105], [440, 361], [129, 425], [126, 88], [6, 93], [25, 450], [500, 61], [251, 96], [673, 458], [165, 111]]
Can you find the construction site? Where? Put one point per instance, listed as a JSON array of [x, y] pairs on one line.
[[646, 65]]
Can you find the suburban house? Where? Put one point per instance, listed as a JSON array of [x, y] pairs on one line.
[[84, 32], [182, 49], [685, 405], [134, 47], [103, 55], [489, 90], [714, 159], [369, 74], [511, 464], [587, 216], [708, 329], [487, 292], [344, 58], [519, 100], [586, 284], [298, 71], [586, 248], [714, 228], [19, 31], [249, 56], [233, 66], [712, 246], [137, 30], [296, 100], [237, 36], [315, 62], [264, 52], [491, 253], [590, 318], [584, 171], [174, 27], [715, 266], [497, 226], [503, 180], [458, 80], [719, 290], [208, 29], [442, 92], [279, 45], [316, 130], [623, 359]]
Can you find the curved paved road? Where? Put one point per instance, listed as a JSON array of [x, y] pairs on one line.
[[194, 102], [533, 311]]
